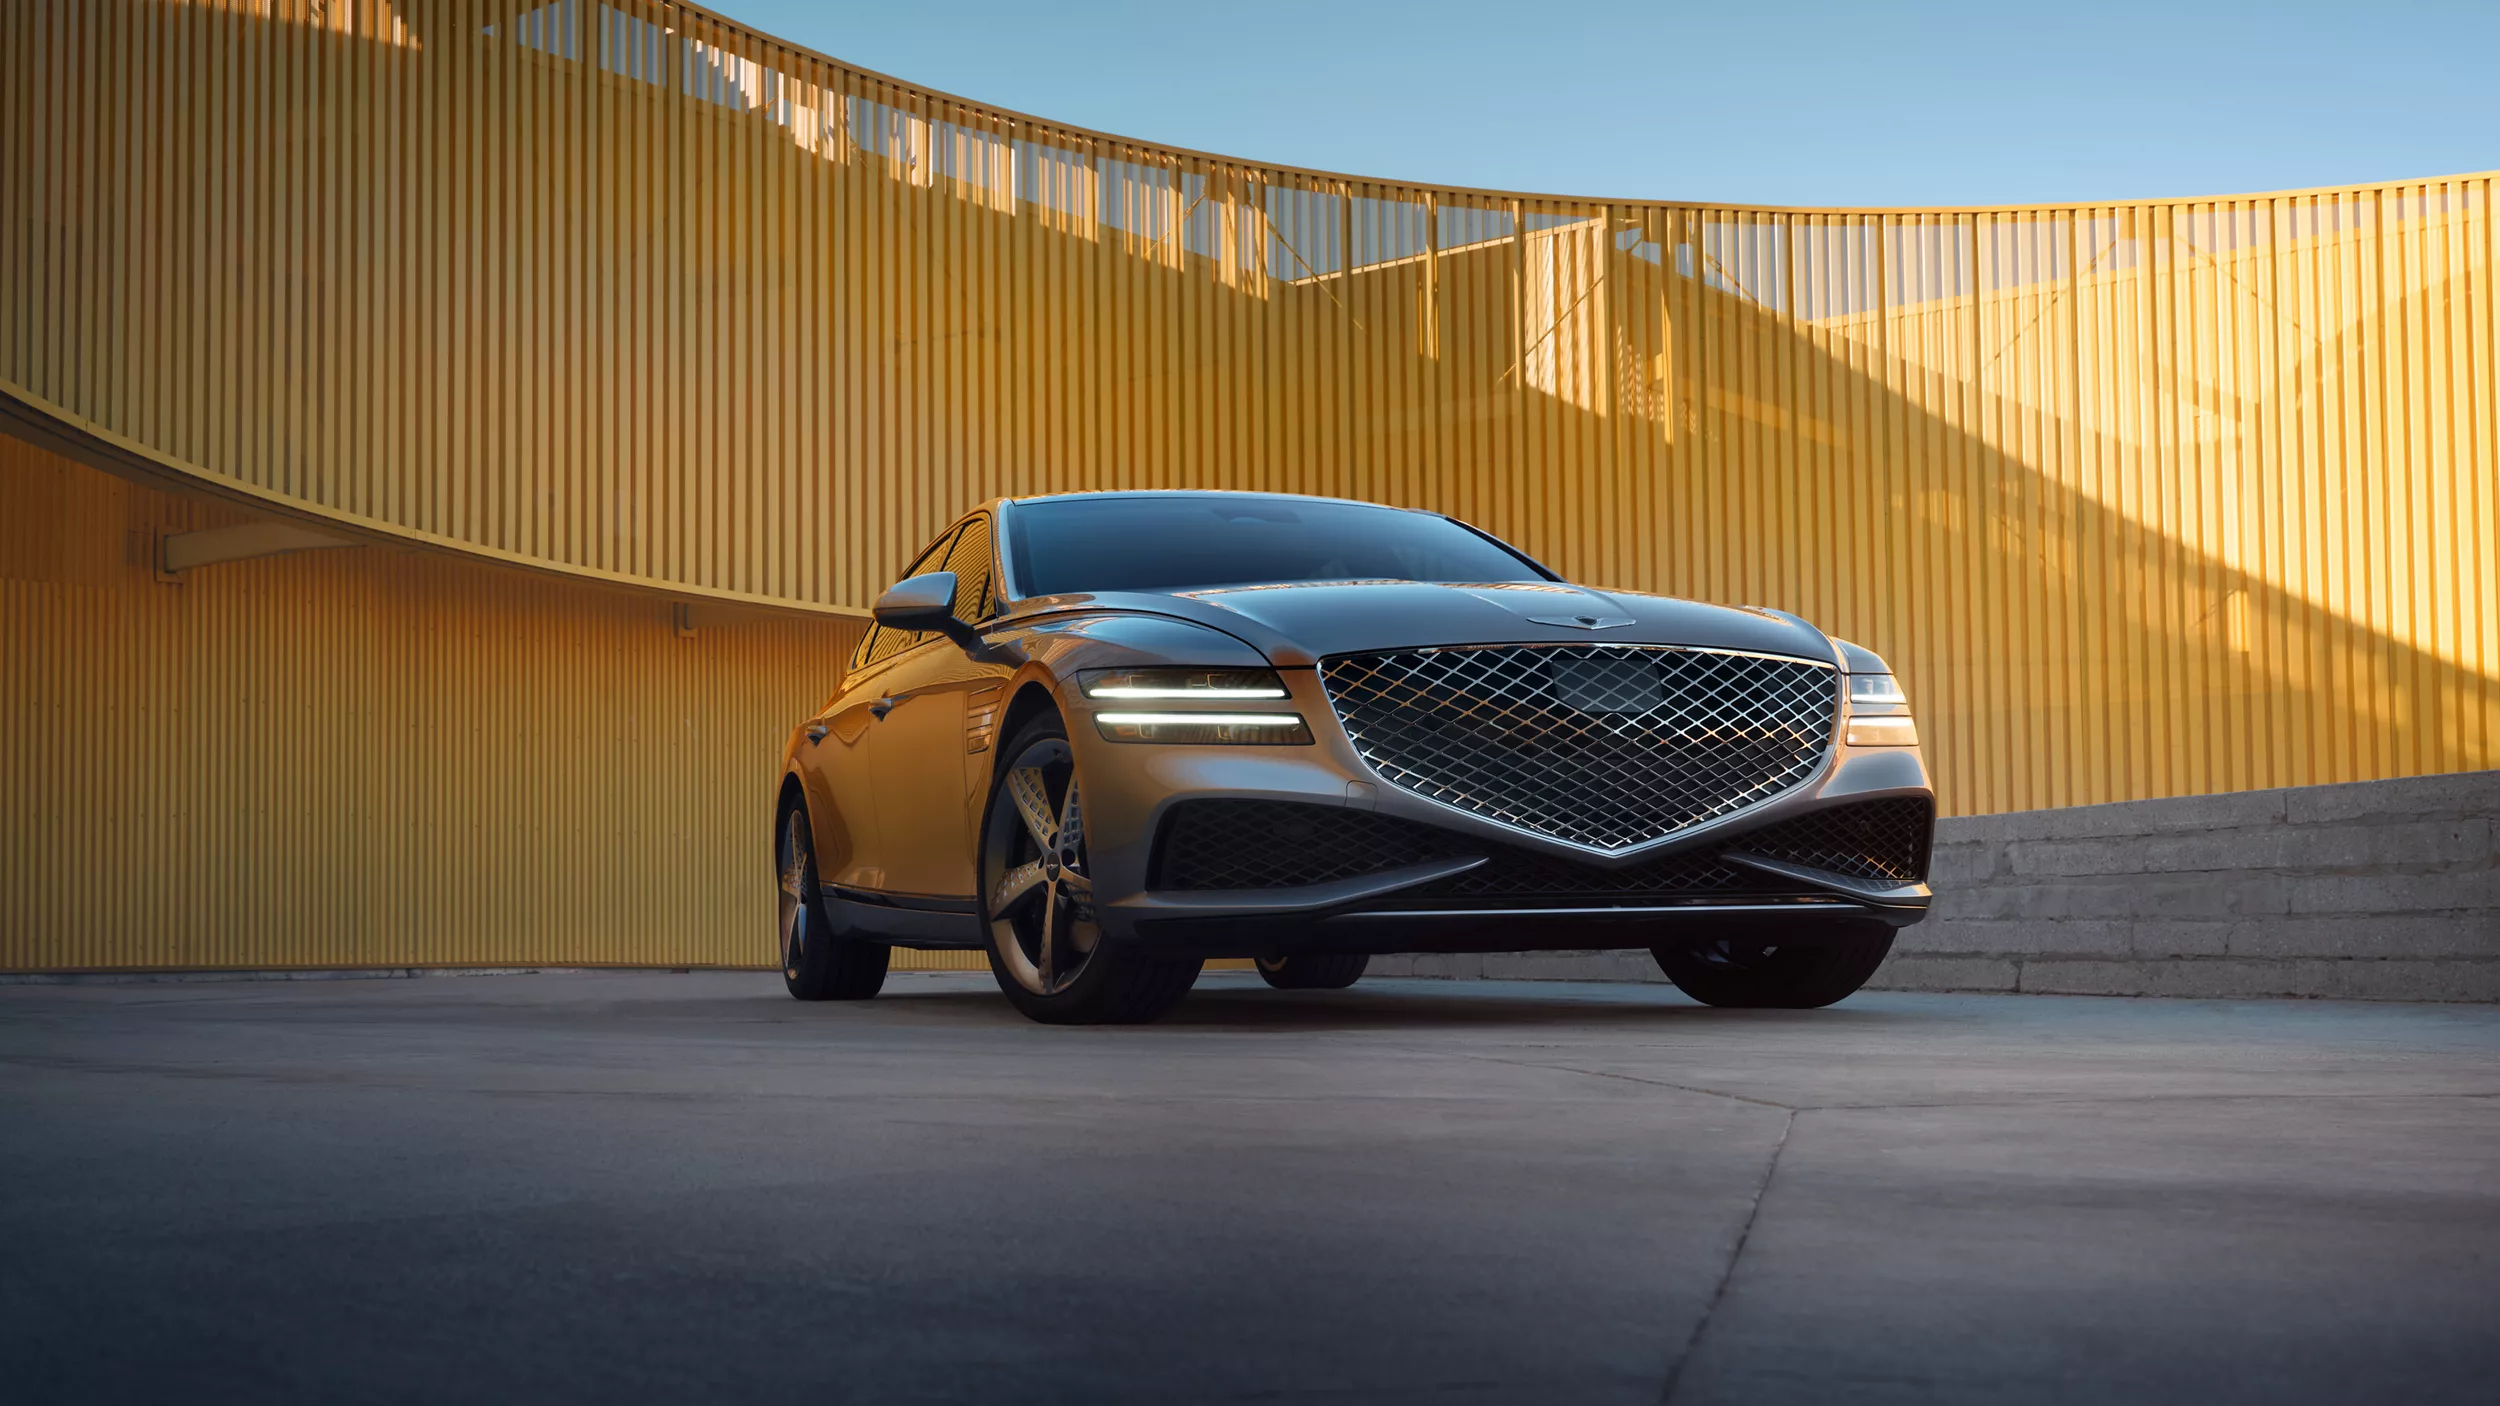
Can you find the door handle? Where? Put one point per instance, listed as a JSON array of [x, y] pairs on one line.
[[816, 732], [883, 706]]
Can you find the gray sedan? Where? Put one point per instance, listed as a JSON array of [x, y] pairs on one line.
[[1105, 737]]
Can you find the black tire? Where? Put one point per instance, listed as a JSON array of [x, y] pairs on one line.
[[1313, 971], [1769, 974], [1029, 878], [818, 962]]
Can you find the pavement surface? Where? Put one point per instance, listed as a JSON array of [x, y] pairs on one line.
[[649, 1187]]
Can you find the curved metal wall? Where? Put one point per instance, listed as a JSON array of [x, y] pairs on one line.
[[2144, 498], [370, 758]]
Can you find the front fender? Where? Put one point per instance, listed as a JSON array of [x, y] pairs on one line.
[[1061, 645], [1055, 650]]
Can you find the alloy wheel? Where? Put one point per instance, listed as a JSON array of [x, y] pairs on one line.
[[1040, 895], [792, 927]]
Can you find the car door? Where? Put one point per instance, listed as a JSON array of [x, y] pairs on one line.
[[851, 842], [919, 752], [841, 804]]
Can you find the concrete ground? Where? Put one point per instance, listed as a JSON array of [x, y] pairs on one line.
[[607, 1188]]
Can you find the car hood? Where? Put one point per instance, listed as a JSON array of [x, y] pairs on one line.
[[1314, 619]]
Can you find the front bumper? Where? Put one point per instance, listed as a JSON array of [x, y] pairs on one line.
[[1510, 930], [1133, 788]]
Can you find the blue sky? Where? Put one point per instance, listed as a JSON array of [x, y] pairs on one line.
[[1774, 103]]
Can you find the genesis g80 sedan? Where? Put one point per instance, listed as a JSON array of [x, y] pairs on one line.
[[1105, 737]]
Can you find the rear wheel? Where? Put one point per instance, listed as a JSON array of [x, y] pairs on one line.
[[1046, 947], [1773, 974], [818, 964], [1313, 971]]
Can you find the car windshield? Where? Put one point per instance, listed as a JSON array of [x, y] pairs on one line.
[[1176, 543]]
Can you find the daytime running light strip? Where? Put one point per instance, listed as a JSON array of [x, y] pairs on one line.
[[1117, 692], [1209, 719]]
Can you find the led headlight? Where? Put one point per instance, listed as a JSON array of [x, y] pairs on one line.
[[1882, 732], [1879, 713], [1272, 729], [1206, 685]]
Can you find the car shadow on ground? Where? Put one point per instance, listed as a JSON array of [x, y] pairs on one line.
[[1241, 1004]]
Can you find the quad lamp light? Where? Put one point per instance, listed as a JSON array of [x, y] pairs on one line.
[[1192, 686], [1879, 713]]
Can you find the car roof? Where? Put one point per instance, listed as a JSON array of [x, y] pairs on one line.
[[1208, 493]]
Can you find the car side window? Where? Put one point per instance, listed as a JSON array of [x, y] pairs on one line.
[[969, 559], [882, 643]]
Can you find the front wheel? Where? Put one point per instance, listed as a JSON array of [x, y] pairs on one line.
[[1046, 946], [1776, 975]]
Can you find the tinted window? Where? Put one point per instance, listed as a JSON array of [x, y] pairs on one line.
[[969, 559], [1163, 544], [883, 643]]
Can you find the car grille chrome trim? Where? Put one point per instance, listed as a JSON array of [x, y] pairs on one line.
[[1608, 747]]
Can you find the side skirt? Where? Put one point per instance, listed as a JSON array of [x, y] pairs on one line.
[[902, 920]]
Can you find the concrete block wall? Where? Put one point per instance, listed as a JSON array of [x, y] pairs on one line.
[[2386, 890], [2377, 890]]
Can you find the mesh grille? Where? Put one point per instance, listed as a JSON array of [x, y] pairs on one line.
[[1221, 844], [1281, 844], [1882, 840], [1608, 746]]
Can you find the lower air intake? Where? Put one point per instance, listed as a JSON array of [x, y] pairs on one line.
[[1227, 844]]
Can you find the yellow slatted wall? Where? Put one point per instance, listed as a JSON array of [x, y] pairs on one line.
[[2143, 499], [371, 757]]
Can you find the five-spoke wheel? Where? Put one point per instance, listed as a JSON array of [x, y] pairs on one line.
[[1046, 943], [1042, 908]]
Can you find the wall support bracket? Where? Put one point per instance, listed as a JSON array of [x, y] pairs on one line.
[[178, 552]]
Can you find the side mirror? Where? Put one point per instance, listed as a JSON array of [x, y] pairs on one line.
[[925, 602]]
